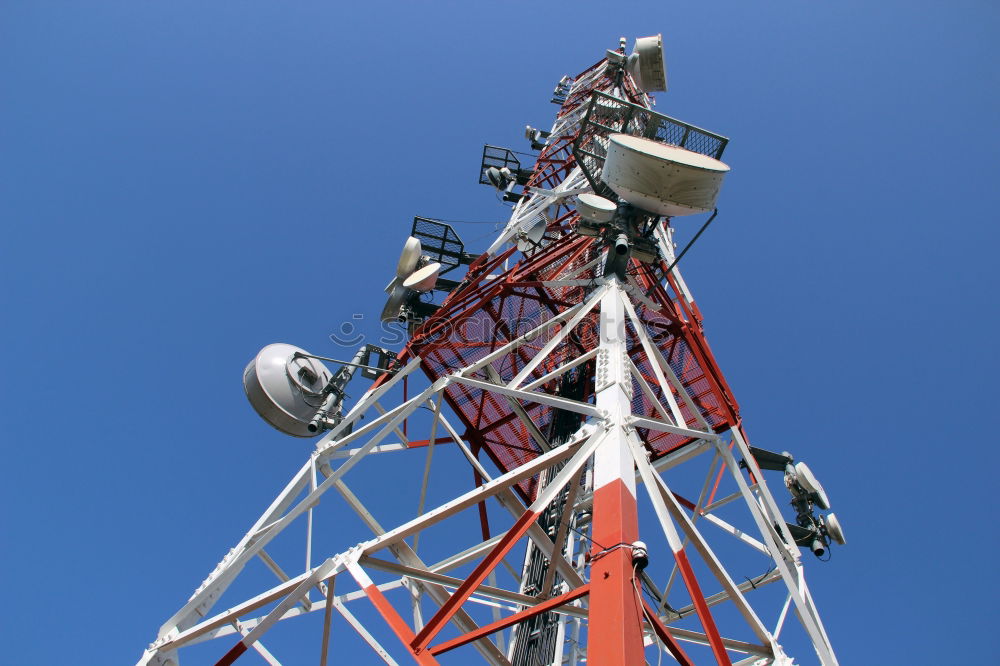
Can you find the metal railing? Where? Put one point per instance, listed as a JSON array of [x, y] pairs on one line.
[[607, 114]]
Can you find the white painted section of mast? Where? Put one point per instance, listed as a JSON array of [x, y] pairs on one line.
[[613, 385]]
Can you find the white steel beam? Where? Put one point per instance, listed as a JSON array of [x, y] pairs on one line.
[[531, 396], [667, 507], [364, 403], [517, 342], [488, 489], [364, 633], [562, 369], [806, 612], [405, 554], [553, 342], [663, 426]]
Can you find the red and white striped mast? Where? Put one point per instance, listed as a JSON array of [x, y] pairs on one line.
[[571, 357]]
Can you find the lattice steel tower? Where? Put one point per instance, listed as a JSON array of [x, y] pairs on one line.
[[611, 500]]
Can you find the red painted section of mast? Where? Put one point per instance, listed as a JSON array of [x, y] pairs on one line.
[[614, 630]]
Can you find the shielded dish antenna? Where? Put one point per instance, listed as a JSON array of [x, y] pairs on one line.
[[395, 302], [286, 388], [646, 64], [594, 208], [660, 178]]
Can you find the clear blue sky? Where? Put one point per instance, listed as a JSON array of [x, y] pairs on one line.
[[184, 182]]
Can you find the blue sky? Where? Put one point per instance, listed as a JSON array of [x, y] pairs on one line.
[[182, 183]]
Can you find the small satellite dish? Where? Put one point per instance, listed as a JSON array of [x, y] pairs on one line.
[[808, 480], [423, 279], [499, 178], [528, 239], [662, 179], [834, 529], [397, 297], [594, 208], [646, 64], [409, 258], [284, 389]]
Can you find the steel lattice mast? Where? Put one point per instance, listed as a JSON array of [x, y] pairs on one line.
[[579, 388]]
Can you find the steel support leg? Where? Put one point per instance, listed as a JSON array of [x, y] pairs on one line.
[[614, 634]]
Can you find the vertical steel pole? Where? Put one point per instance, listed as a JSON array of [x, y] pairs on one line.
[[614, 633]]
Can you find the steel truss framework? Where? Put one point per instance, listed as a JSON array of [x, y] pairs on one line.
[[608, 444], [654, 421]]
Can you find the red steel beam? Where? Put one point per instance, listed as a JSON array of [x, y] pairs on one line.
[[701, 606], [672, 645], [488, 629], [396, 623], [450, 607]]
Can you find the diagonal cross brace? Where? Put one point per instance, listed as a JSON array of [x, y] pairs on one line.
[[520, 527]]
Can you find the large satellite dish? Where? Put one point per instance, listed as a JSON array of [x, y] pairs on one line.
[[646, 64], [660, 178], [286, 390]]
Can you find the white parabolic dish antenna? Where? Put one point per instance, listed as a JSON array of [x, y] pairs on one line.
[[808, 480], [409, 258], [285, 391], [594, 208], [392, 305], [423, 279], [660, 178], [834, 529]]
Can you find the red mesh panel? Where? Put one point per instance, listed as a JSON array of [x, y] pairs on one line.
[[517, 307]]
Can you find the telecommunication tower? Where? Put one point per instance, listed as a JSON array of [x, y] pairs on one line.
[[613, 511]]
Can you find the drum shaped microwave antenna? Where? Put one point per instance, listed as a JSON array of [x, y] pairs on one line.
[[594, 208], [286, 389], [646, 64], [415, 274], [660, 178]]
